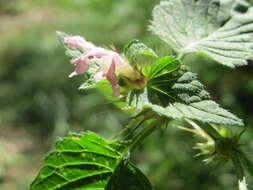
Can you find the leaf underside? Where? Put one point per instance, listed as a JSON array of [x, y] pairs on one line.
[[182, 96], [211, 27]]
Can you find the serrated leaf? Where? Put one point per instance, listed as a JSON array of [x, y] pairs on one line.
[[211, 27], [128, 177], [181, 96], [80, 162], [139, 53]]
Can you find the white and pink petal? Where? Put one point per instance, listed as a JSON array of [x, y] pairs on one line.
[[78, 42], [81, 66]]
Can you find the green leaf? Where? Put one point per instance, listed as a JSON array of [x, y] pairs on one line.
[[139, 53], [222, 30], [80, 162], [163, 66], [128, 177], [89, 162], [73, 53], [181, 96]]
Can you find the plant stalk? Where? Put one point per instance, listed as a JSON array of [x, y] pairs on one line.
[[135, 132]]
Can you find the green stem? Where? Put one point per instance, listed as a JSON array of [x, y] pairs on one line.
[[127, 133], [237, 164], [208, 129], [135, 132], [248, 165], [212, 132], [144, 132]]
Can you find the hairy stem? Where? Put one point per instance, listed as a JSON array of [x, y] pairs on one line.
[[127, 133], [212, 132], [237, 164], [248, 165], [135, 132], [207, 129], [144, 132]]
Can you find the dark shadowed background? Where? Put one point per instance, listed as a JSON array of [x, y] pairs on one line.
[[38, 102]]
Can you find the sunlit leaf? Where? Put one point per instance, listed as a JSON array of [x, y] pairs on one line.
[[214, 28], [87, 162]]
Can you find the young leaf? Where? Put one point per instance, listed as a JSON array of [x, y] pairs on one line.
[[139, 53], [80, 162], [211, 27], [163, 66], [181, 96]]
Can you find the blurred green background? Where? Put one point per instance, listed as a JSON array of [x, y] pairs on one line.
[[38, 102]]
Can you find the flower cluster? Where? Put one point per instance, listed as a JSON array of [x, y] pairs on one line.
[[109, 62]]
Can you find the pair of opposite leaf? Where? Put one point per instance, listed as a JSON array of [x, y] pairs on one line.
[[215, 28]]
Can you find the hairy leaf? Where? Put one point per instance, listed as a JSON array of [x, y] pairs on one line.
[[82, 162], [139, 53], [180, 95], [219, 29]]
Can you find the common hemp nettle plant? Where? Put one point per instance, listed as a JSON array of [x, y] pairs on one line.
[[155, 90]]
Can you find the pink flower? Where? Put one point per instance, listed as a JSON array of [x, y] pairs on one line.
[[78, 42], [81, 66], [109, 62]]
